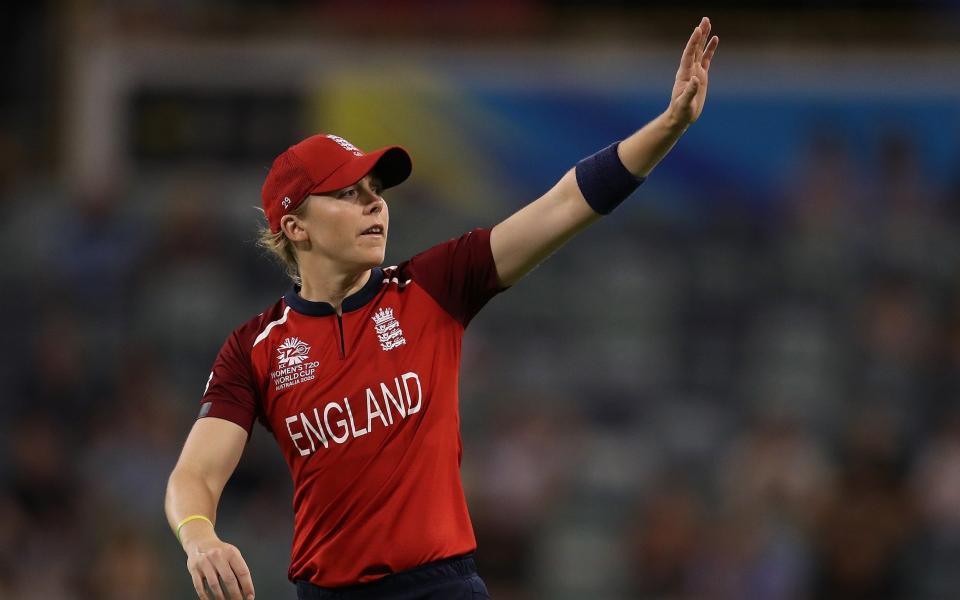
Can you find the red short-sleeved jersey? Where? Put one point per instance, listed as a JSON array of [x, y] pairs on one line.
[[364, 407]]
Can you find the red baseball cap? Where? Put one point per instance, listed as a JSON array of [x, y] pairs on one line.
[[324, 163]]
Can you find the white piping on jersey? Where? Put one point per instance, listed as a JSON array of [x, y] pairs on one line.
[[395, 280], [389, 279], [263, 334]]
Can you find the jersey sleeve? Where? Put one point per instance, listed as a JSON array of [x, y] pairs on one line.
[[230, 393], [459, 274]]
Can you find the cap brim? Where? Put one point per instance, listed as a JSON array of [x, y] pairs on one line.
[[391, 164]]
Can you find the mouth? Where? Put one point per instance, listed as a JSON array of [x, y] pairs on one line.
[[373, 230]]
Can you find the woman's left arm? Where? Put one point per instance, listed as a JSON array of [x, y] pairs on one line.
[[527, 237]]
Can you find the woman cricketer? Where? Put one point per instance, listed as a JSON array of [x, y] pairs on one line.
[[355, 370]]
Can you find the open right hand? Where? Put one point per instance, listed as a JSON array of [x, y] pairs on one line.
[[218, 570]]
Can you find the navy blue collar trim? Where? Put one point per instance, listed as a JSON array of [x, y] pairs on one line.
[[350, 303]]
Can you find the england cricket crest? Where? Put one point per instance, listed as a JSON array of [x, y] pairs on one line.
[[387, 329], [292, 352]]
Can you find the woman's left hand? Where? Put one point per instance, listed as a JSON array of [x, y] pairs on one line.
[[690, 88]]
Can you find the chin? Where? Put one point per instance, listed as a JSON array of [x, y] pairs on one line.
[[369, 260]]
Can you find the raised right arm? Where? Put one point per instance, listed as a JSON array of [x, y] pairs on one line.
[[208, 459]]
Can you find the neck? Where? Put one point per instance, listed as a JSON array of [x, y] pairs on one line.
[[330, 286]]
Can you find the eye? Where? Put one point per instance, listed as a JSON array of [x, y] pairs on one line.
[[350, 192]]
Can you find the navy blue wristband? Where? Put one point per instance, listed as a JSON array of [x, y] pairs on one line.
[[604, 181]]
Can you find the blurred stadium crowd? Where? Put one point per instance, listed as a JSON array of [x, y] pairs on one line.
[[740, 405]]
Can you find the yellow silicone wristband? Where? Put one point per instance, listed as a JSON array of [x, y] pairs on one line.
[[191, 518]]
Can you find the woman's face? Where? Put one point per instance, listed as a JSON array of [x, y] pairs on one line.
[[348, 226]]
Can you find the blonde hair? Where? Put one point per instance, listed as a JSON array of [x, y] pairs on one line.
[[279, 246]]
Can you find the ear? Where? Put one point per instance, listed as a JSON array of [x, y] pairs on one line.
[[292, 227]]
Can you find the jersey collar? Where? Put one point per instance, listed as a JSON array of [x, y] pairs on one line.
[[324, 309]]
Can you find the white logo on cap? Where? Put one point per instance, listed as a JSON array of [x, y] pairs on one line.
[[346, 145], [286, 202]]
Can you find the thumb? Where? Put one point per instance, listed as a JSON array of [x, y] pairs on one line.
[[690, 90]]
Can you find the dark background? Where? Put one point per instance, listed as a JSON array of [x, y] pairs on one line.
[[743, 384]]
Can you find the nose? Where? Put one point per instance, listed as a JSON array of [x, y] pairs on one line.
[[375, 205]]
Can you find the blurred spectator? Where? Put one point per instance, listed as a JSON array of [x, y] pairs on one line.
[[776, 471], [133, 444], [664, 541], [45, 514], [95, 250], [188, 304], [896, 345], [935, 486], [749, 556], [864, 529], [62, 378], [127, 566], [518, 484], [774, 481], [821, 223]]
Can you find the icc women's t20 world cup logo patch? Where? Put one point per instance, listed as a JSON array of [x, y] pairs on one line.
[[292, 352], [293, 364]]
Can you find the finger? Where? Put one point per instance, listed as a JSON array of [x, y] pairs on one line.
[[709, 52], [228, 581], [212, 581], [704, 27], [689, 53], [242, 571], [198, 585], [690, 91]]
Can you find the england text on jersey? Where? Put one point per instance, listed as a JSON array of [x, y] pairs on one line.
[[338, 424]]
